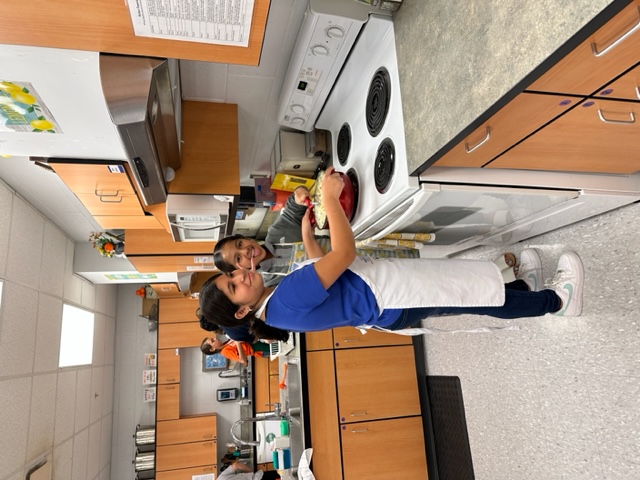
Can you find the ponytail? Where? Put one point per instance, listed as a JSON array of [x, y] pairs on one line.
[[216, 308]]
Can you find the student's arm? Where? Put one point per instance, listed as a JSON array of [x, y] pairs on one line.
[[343, 247], [242, 358], [240, 467], [311, 245]]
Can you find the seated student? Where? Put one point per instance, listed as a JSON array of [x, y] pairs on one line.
[[240, 471], [234, 351], [338, 289]]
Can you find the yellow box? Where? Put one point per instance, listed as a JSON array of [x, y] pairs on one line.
[[288, 183]]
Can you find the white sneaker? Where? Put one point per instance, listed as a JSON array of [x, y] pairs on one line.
[[568, 284], [530, 269]]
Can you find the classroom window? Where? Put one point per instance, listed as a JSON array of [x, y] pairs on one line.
[[76, 340]]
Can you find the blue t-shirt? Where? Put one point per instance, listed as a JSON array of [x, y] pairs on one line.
[[301, 304]]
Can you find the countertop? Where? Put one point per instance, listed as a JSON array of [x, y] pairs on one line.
[[457, 58]]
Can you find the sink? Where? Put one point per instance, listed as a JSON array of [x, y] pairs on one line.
[[293, 409]]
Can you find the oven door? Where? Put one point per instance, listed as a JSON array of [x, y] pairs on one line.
[[197, 228], [488, 214]]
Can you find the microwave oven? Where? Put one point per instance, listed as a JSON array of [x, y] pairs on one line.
[[198, 218]]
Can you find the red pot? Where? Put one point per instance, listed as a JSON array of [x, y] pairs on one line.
[[347, 200]]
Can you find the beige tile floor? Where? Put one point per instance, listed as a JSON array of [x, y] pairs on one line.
[[560, 398]]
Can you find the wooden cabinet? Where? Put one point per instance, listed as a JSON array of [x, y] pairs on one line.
[[106, 191], [167, 290], [186, 430], [167, 402], [365, 400], [626, 87], [522, 116], [319, 340], [187, 473], [349, 337], [180, 335], [168, 370], [105, 26], [607, 53], [597, 136], [172, 263], [266, 390], [184, 455], [177, 310]]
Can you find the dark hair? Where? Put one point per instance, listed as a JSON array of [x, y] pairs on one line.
[[217, 254], [216, 306], [208, 349]]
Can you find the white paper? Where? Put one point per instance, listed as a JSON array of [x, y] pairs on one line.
[[206, 476], [222, 22]]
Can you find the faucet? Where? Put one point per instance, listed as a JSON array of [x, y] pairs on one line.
[[276, 415]]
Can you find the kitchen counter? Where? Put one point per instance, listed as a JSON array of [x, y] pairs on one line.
[[459, 58]]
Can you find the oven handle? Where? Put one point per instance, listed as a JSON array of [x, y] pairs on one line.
[[419, 199]]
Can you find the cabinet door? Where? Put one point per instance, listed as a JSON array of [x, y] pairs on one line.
[[597, 136], [187, 473], [167, 402], [94, 178], [128, 221], [384, 449], [171, 457], [375, 383], [323, 415], [167, 290], [520, 117], [607, 53], [171, 263], [625, 88], [150, 242], [185, 430], [112, 204], [177, 310], [349, 337], [168, 366], [180, 335], [319, 340]]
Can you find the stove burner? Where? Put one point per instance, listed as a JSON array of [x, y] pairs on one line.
[[344, 144], [384, 166], [378, 101], [351, 173]]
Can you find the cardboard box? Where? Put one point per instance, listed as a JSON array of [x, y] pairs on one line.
[[288, 183]]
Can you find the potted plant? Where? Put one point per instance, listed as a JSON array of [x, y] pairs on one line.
[[107, 244]]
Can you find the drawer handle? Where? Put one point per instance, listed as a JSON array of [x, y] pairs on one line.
[[638, 92], [208, 444], [617, 41], [109, 201], [98, 194], [207, 435], [359, 414], [486, 138], [171, 379], [348, 340], [632, 119], [360, 430], [170, 388]]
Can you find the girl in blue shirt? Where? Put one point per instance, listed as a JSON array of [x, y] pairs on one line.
[[338, 289]]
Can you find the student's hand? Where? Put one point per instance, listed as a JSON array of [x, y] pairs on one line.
[[300, 194], [306, 223], [332, 185]]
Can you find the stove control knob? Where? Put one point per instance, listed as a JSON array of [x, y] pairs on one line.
[[320, 50], [335, 32], [297, 108], [297, 121]]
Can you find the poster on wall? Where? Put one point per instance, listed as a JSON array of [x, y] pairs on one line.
[[150, 359], [22, 109], [148, 377], [221, 22], [150, 394]]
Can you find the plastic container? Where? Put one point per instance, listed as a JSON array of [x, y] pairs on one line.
[[284, 427]]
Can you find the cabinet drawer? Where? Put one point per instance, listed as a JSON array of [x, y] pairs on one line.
[[319, 340], [349, 337], [520, 117], [168, 402], [168, 366], [625, 88], [171, 457], [367, 449], [180, 335], [187, 473], [117, 203], [128, 221], [376, 383], [171, 263], [167, 290], [93, 178], [598, 136], [607, 53], [185, 430]]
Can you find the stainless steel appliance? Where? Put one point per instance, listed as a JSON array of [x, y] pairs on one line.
[[463, 207], [140, 98]]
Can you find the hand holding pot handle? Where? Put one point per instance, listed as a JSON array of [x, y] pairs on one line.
[[332, 185]]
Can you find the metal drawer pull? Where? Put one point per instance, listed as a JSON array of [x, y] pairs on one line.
[[638, 92], [347, 340], [358, 414], [479, 144], [617, 41], [207, 444], [171, 379], [106, 194], [207, 435], [632, 119], [360, 430], [109, 201]]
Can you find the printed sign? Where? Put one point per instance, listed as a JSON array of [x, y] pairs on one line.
[[150, 359], [22, 109], [150, 394], [148, 377]]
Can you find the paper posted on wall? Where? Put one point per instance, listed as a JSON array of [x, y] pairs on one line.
[[150, 394], [222, 22], [148, 377]]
